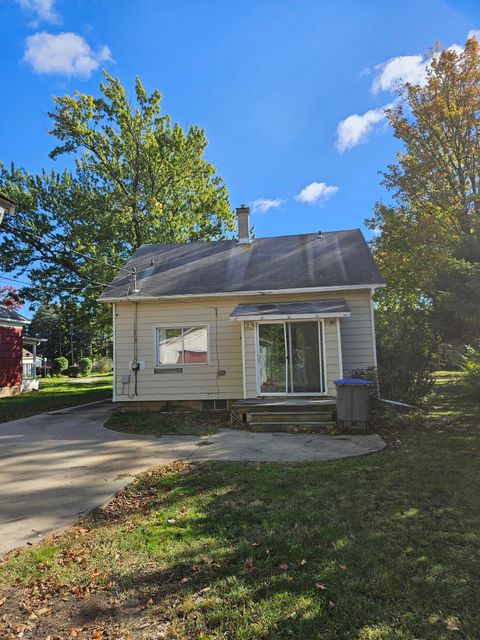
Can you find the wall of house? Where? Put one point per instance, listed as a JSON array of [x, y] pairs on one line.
[[10, 357], [200, 381]]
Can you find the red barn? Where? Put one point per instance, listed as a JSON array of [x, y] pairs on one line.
[[11, 334]]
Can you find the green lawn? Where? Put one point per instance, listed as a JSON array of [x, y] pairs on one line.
[[161, 423], [56, 393], [383, 547]]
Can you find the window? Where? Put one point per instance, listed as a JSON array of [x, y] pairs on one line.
[[182, 345]]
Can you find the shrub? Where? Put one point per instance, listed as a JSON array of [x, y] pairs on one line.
[[85, 366], [74, 371], [370, 374], [406, 344], [470, 364], [60, 365], [103, 365]]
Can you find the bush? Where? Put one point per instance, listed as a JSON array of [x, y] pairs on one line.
[[60, 365], [406, 344], [74, 371], [370, 374], [85, 366], [103, 365], [470, 364]]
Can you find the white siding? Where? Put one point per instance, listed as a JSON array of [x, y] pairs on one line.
[[200, 381]]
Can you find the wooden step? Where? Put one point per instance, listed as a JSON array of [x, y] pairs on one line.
[[244, 407], [311, 417], [293, 427]]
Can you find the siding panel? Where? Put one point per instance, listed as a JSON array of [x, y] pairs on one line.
[[200, 381]]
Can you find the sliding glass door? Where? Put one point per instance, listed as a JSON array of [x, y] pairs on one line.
[[290, 358]]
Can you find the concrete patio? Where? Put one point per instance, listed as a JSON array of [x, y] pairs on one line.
[[57, 466]]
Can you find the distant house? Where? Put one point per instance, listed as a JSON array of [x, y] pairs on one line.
[[208, 323], [12, 341], [31, 365], [11, 333], [6, 206]]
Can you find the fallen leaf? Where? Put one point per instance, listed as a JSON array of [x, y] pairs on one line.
[[283, 566], [452, 625], [303, 562], [331, 604], [343, 567], [74, 631], [255, 544], [2, 601], [320, 586], [171, 520], [184, 580]]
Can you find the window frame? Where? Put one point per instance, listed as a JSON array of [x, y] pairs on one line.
[[180, 325]]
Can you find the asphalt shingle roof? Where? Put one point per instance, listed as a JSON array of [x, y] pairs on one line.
[[334, 259], [11, 316]]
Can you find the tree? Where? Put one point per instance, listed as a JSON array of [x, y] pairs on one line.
[[428, 238], [158, 181], [71, 330], [138, 178], [10, 297]]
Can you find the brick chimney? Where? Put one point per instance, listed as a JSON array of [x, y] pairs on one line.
[[243, 215]]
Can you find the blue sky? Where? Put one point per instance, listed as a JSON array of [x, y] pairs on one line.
[[270, 81]]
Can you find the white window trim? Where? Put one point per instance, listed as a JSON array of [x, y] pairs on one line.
[[180, 325]]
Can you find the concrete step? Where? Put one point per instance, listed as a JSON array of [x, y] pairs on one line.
[[293, 427], [310, 417]]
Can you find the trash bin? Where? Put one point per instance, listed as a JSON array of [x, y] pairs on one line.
[[353, 402]]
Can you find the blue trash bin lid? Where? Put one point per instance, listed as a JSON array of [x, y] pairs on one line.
[[355, 381]]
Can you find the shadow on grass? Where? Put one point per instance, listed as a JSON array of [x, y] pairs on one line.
[[381, 548]]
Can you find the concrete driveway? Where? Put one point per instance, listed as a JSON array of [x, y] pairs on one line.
[[56, 466]]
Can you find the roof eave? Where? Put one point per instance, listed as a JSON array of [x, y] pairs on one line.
[[232, 294]]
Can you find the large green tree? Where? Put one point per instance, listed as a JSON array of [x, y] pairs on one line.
[[138, 178], [428, 237]]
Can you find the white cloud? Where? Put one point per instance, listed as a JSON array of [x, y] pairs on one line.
[[43, 9], [66, 54], [388, 76], [399, 70], [411, 69], [262, 205], [356, 128], [316, 193]]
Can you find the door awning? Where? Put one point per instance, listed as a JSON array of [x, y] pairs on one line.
[[308, 310]]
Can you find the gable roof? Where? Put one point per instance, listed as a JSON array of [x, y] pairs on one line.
[[11, 318], [336, 259]]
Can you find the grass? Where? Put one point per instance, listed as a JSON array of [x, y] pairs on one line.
[[56, 393], [162, 423], [383, 547]]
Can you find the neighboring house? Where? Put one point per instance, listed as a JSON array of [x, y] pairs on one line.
[[30, 364], [13, 376], [248, 318], [6, 206], [11, 334]]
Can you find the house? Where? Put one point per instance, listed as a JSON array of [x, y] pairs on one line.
[[30, 364], [18, 373], [6, 206], [206, 324], [11, 334]]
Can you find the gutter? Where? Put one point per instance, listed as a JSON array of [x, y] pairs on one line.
[[233, 294]]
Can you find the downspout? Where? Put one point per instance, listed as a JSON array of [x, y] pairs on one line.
[[135, 347], [374, 338], [114, 352]]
